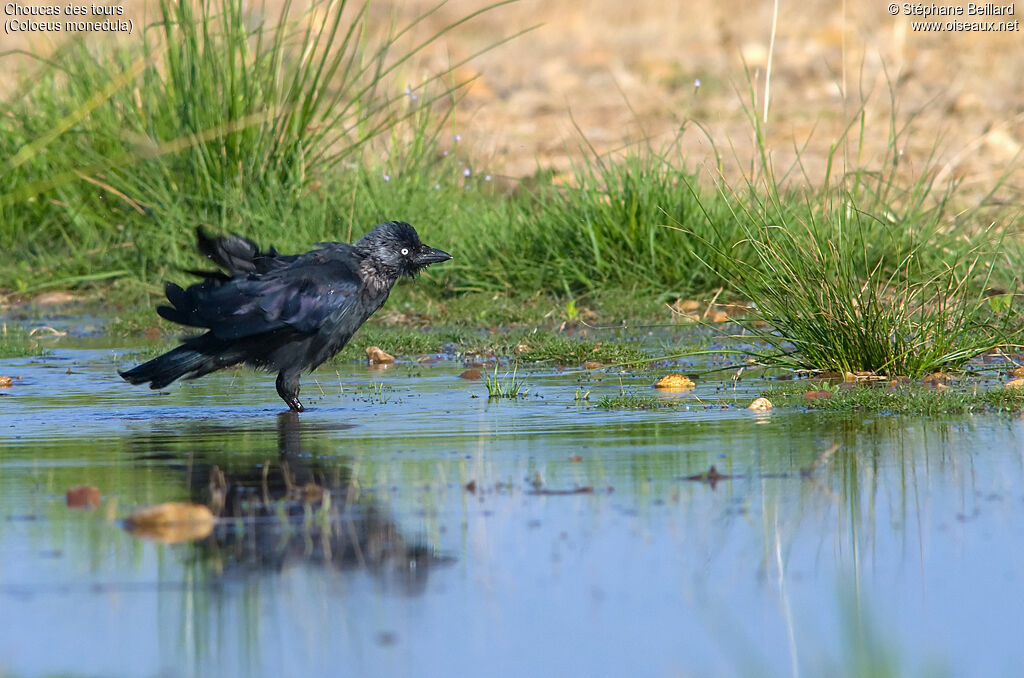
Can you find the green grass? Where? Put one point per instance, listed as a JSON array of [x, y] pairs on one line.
[[509, 386], [291, 131], [562, 350], [915, 399], [214, 115], [15, 342], [632, 401], [871, 272]]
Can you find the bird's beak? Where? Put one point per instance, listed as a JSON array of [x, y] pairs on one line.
[[432, 256]]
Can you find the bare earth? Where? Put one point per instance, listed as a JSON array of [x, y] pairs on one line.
[[629, 71]]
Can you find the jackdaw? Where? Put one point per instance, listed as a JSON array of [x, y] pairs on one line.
[[281, 312]]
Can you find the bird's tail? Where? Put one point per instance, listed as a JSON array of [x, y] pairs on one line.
[[185, 361]]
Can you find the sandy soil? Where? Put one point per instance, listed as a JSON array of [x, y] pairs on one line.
[[628, 71]]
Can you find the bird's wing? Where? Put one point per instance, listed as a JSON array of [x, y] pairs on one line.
[[238, 255], [298, 296]]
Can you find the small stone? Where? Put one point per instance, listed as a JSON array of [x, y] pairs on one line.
[[759, 405], [472, 374], [6, 382], [592, 365]]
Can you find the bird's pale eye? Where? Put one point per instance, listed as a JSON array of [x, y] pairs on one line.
[[405, 251]]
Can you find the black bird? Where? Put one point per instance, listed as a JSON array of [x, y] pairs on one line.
[[282, 312]]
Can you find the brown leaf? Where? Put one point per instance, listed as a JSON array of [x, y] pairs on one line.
[[674, 382], [82, 496], [376, 356], [171, 522]]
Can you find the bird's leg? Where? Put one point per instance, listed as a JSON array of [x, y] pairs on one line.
[[288, 389]]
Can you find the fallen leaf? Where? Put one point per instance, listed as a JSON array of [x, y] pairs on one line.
[[1015, 383], [82, 496], [6, 382], [686, 305], [171, 522], [378, 357], [760, 405], [674, 382]]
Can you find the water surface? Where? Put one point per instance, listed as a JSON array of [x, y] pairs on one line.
[[581, 547]]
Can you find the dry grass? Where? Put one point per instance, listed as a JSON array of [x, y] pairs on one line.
[[627, 71]]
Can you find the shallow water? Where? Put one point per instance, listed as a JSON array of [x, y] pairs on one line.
[[582, 549]]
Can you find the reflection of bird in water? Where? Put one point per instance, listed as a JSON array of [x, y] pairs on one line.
[[288, 313], [303, 510]]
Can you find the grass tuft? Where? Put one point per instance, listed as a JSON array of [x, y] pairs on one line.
[[509, 387], [914, 399], [871, 273]]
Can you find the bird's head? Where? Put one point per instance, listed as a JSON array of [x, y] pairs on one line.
[[394, 247]]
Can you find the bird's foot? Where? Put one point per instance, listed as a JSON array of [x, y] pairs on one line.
[[294, 405]]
